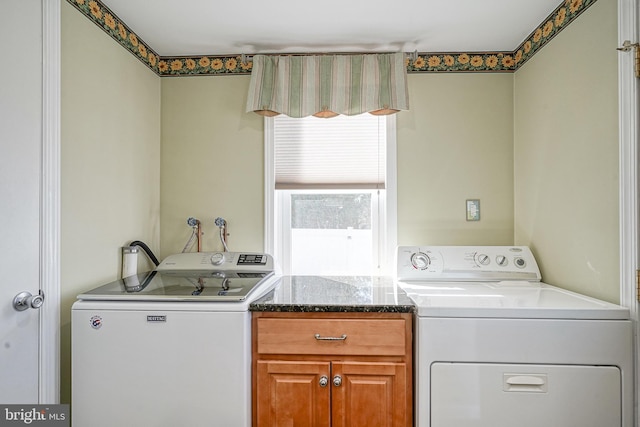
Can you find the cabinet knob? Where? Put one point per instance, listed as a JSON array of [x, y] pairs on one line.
[[337, 381], [324, 381]]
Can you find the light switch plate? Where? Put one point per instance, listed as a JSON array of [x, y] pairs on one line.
[[473, 209]]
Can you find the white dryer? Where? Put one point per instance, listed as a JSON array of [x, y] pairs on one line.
[[496, 347]]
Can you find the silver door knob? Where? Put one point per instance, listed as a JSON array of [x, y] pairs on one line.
[[337, 381], [324, 381], [25, 300]]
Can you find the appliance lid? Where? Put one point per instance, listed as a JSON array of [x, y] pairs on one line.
[[489, 281], [510, 299], [192, 276], [179, 286]]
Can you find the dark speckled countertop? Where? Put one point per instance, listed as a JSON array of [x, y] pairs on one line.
[[332, 294]]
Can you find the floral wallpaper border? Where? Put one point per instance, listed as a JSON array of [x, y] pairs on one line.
[[423, 62], [558, 20], [109, 22]]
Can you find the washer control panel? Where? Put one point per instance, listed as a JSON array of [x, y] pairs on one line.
[[466, 263], [218, 261]]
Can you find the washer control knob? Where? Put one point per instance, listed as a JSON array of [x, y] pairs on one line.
[[217, 258], [420, 260], [501, 260], [520, 263], [484, 259]]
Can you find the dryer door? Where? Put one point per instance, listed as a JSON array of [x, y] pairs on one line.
[[506, 395]]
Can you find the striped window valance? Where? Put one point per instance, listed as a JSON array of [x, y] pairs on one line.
[[328, 85]]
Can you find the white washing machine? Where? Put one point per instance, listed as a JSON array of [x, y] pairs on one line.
[[171, 347], [496, 347]]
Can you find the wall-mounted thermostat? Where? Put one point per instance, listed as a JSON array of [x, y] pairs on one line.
[[473, 209]]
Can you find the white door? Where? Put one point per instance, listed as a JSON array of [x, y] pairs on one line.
[[23, 229]]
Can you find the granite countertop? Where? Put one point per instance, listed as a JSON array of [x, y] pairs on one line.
[[335, 294]]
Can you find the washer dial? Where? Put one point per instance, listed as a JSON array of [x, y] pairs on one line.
[[217, 258], [420, 260], [502, 260], [484, 259]]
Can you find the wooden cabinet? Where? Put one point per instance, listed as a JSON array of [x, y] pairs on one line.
[[289, 393], [332, 369]]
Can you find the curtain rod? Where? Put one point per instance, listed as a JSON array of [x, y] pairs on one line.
[[248, 57]]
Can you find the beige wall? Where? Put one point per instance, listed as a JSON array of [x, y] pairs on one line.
[[566, 155], [212, 163], [450, 147], [110, 160], [456, 143]]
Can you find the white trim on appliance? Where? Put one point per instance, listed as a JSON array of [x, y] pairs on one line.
[[49, 330]]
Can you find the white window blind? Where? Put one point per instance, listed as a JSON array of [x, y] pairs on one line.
[[338, 153]]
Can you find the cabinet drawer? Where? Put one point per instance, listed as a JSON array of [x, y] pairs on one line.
[[372, 337]]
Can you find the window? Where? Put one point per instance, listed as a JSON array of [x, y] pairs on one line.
[[330, 194]]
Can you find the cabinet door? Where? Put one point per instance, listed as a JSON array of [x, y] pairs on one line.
[[369, 394], [290, 393]]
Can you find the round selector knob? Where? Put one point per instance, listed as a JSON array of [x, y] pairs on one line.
[[501, 260], [520, 263], [420, 260], [484, 259], [217, 258]]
